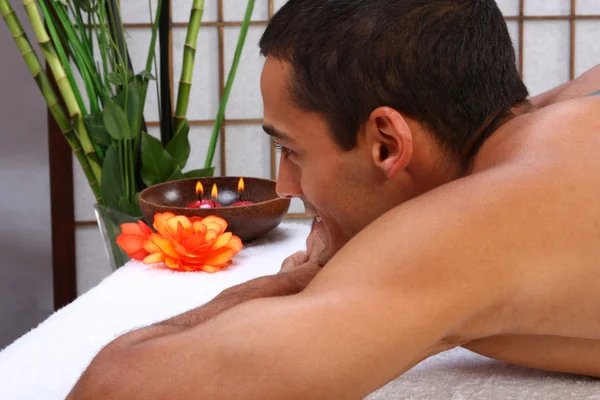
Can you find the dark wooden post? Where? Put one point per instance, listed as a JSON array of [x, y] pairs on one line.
[[62, 214]]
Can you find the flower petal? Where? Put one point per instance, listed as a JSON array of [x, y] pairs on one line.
[[222, 240], [196, 244], [150, 247], [199, 227], [235, 244], [165, 245], [154, 258], [131, 243], [213, 226], [131, 228], [172, 263], [210, 235], [220, 256], [145, 228], [215, 219], [173, 223], [160, 221], [139, 255], [210, 269]]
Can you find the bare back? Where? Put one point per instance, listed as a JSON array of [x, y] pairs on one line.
[[551, 160]]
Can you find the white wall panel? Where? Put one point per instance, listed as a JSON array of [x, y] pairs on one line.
[[248, 151], [547, 7], [234, 10], [245, 100], [546, 54], [588, 7], [587, 48]]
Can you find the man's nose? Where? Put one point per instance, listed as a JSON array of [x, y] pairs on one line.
[[288, 180]]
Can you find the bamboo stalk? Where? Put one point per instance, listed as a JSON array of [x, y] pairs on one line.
[[45, 87], [227, 90], [64, 87], [150, 59], [50, 22], [189, 54], [80, 54]]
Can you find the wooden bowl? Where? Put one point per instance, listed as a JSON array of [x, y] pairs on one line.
[[247, 222]]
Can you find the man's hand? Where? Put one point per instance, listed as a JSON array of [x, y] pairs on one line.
[[315, 254]]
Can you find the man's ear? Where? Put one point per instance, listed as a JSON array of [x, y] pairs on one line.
[[390, 140]]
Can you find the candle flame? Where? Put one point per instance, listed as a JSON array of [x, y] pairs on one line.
[[214, 192], [199, 189], [241, 186]]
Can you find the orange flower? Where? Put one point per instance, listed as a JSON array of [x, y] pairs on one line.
[[188, 244], [132, 239]]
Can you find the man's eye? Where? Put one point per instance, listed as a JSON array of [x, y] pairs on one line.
[[283, 149]]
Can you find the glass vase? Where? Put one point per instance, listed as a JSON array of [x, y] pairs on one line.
[[109, 222]]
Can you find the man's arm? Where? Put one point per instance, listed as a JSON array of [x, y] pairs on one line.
[[397, 293], [550, 353], [288, 282]]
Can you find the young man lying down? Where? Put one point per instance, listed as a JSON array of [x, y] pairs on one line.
[[452, 211]]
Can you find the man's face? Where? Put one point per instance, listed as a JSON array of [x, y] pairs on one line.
[[339, 187]]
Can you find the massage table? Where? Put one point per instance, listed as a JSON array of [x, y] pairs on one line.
[[45, 363]]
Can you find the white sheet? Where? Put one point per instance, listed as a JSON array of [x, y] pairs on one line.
[[45, 363]]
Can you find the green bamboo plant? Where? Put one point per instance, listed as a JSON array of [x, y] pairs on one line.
[[107, 132], [189, 54], [45, 86]]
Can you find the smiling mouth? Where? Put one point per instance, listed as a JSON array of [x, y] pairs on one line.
[[311, 212], [315, 216]]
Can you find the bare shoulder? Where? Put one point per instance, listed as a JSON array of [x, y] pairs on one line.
[[563, 134], [575, 115]]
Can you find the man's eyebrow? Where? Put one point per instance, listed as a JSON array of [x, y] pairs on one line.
[[269, 130]]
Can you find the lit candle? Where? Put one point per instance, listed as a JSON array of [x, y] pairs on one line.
[[240, 202], [205, 203]]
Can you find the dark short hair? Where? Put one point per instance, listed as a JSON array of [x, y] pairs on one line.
[[450, 64]]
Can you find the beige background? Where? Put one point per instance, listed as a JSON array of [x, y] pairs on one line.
[[25, 253]]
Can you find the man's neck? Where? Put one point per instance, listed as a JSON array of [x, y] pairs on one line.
[[492, 125]]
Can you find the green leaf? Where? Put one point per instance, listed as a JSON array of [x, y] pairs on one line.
[[63, 2], [152, 153], [115, 120], [134, 106], [147, 75], [95, 125], [177, 174], [87, 5], [127, 207], [115, 78], [179, 146], [200, 173], [157, 164], [112, 186]]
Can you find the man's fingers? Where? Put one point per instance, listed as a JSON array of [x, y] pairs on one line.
[[316, 241], [295, 260]]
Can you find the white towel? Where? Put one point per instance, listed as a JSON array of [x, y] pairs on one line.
[[45, 363], [462, 375]]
